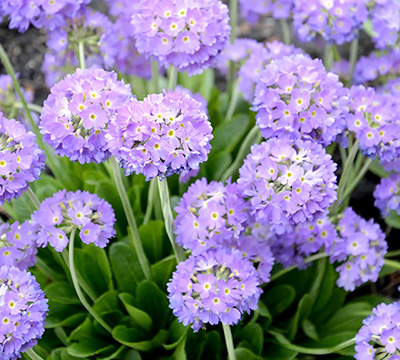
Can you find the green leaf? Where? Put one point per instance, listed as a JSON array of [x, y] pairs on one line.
[[279, 298], [369, 28], [140, 318], [108, 307], [310, 329], [277, 352], [63, 315], [162, 271], [62, 292], [251, 337], [326, 289], [393, 220], [176, 334], [245, 354], [218, 164], [63, 355], [213, 347], [125, 266], [134, 338], [153, 237], [303, 310], [335, 302], [376, 168]]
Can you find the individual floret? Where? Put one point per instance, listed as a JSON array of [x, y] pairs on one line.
[[387, 195], [79, 211], [217, 286], [252, 10]]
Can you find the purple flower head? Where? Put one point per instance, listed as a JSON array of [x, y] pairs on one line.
[[380, 334], [23, 310], [217, 286], [288, 183], [76, 114], [17, 244], [252, 10], [391, 88], [295, 95], [335, 20], [47, 14], [387, 194], [65, 211], [360, 247], [210, 215], [162, 135], [21, 160], [249, 73], [374, 119], [188, 35]]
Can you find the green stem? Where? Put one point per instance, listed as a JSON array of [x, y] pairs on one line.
[[233, 100], [135, 238], [250, 139], [359, 177], [353, 59], [285, 31], [168, 219], [75, 282], [393, 253], [155, 73], [229, 342], [392, 263], [36, 108], [61, 334], [328, 57], [173, 78], [150, 201], [81, 55], [233, 14], [33, 198], [47, 270], [31, 353]]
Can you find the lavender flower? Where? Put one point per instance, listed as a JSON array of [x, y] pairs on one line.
[[17, 245], [288, 183], [23, 309], [374, 119], [188, 35], [66, 211], [335, 20], [76, 114], [46, 14], [360, 248], [380, 334], [295, 95], [21, 160], [252, 10], [249, 73], [162, 135], [387, 195], [218, 286]]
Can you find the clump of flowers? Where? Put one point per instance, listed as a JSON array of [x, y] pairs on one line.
[[76, 115], [162, 135], [387, 195], [217, 286], [391, 88], [66, 211], [374, 119], [188, 35], [209, 215], [18, 244], [360, 248], [46, 14], [336, 21], [249, 73], [21, 160], [23, 310], [288, 183], [295, 95], [380, 334], [252, 10]]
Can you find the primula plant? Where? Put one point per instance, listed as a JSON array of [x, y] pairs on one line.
[[200, 179]]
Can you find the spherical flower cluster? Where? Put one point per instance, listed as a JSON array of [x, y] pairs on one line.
[[18, 244], [292, 248], [76, 114], [391, 88], [196, 96], [21, 160], [249, 73], [217, 286], [380, 334], [336, 21], [252, 10], [161, 135], [387, 195], [188, 35], [360, 246], [295, 95], [385, 23], [288, 182], [46, 14], [67, 211], [374, 119], [23, 309]]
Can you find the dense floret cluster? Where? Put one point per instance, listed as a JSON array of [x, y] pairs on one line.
[[387, 195], [23, 310], [162, 135], [76, 115], [217, 286], [252, 10], [81, 211], [295, 95], [188, 35]]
